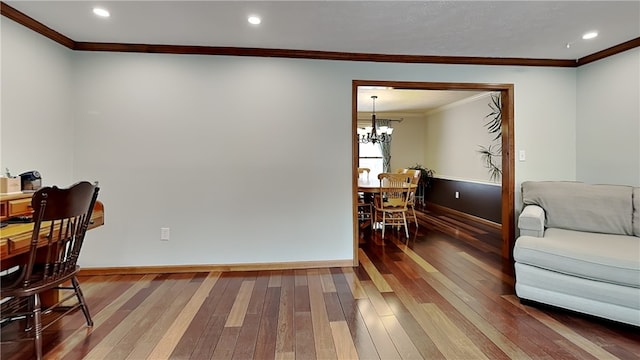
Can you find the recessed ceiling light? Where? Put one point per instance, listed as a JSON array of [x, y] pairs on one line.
[[101, 12], [590, 35], [254, 20]]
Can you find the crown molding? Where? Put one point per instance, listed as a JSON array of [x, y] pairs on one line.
[[30, 23], [628, 45], [317, 55]]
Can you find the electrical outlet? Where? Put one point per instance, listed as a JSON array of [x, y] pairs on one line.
[[457, 195], [522, 156], [164, 234]]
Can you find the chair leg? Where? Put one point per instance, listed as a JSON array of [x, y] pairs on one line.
[[415, 218], [406, 228], [38, 325], [83, 303], [383, 223], [29, 320], [375, 219]]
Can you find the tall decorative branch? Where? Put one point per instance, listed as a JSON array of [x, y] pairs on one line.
[[494, 126], [491, 155]]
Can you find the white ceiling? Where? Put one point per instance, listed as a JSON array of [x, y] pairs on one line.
[[496, 29], [407, 103], [520, 29]]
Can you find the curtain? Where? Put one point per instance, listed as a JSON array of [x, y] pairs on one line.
[[386, 148]]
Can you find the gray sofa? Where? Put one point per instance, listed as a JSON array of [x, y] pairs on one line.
[[579, 248]]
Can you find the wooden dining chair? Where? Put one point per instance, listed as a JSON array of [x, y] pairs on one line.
[[392, 200], [415, 180], [365, 208], [61, 218], [363, 171]]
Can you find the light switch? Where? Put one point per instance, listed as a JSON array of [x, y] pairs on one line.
[[522, 155], [164, 234]]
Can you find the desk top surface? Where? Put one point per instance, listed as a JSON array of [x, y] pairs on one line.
[[15, 239], [16, 195]]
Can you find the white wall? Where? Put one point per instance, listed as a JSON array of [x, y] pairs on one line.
[[608, 127], [36, 131], [407, 148], [247, 160], [220, 150], [452, 138]]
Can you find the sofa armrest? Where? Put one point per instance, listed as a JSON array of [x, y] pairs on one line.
[[531, 221]]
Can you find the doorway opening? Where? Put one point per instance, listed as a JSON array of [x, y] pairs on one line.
[[506, 92]]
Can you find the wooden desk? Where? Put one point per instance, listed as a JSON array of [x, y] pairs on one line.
[[15, 239], [15, 204]]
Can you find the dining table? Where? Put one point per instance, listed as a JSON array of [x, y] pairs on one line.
[[372, 186], [369, 187]]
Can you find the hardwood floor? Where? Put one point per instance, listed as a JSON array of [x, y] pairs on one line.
[[444, 294]]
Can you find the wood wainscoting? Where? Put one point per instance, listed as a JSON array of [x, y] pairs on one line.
[[481, 200]]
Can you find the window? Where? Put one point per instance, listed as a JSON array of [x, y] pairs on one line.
[[371, 157]]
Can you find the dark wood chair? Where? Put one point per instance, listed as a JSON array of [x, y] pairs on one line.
[[61, 218]]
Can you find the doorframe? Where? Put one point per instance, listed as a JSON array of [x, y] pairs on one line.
[[508, 166]]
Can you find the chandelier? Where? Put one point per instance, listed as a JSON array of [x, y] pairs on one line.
[[374, 133]]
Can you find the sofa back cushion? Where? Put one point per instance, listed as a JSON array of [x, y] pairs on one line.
[[583, 207], [636, 211]]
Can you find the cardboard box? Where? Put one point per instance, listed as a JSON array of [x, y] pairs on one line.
[[9, 185]]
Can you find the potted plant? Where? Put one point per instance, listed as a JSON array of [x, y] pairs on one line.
[[426, 175]]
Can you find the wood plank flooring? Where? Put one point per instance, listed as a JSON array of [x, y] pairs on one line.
[[443, 294]]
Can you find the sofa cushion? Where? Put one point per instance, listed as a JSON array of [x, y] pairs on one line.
[[636, 211], [583, 207], [602, 257]]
